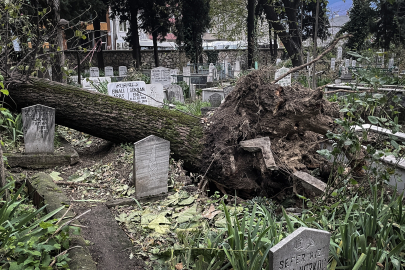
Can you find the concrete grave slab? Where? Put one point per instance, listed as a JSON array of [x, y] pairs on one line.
[[207, 92], [304, 249], [151, 166], [311, 185], [88, 83], [261, 144], [39, 129]]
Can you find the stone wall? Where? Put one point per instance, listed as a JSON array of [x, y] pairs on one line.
[[167, 58]]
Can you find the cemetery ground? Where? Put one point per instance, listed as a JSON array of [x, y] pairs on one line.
[[197, 229]]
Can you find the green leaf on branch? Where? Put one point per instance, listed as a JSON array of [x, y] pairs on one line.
[[373, 119]]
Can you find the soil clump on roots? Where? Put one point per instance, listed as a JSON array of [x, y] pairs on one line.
[[293, 117]]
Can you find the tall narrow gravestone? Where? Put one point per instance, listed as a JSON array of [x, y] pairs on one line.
[[305, 249], [39, 128], [122, 71], [108, 71], [151, 166]]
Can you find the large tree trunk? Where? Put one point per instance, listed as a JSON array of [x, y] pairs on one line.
[[155, 48], [290, 117], [251, 31], [97, 37], [291, 44], [136, 53]]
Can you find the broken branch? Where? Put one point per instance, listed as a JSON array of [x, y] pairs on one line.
[[313, 61]]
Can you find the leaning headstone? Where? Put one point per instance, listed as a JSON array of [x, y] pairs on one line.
[[174, 93], [109, 71], [132, 91], [160, 75], [94, 72], [173, 75], [227, 90], [155, 94], [38, 128], [339, 53], [215, 100], [332, 63], [286, 81], [122, 71], [305, 249], [151, 166]]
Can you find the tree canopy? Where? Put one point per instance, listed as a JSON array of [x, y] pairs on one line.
[[380, 21], [192, 21]]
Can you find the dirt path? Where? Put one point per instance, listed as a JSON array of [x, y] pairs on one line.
[[110, 246]]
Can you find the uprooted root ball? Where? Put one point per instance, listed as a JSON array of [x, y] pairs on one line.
[[292, 117]]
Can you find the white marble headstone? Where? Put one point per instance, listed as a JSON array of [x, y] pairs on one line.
[[391, 63], [173, 75], [39, 128], [354, 62], [108, 71], [122, 71], [88, 83], [332, 63], [132, 91], [155, 94], [286, 81], [151, 166], [160, 75], [339, 53], [94, 72], [186, 71]]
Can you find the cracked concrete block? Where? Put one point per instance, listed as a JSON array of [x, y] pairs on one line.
[[263, 144]]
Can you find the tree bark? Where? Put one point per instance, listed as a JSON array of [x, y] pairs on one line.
[[251, 31], [136, 54], [155, 49], [290, 44], [99, 48]]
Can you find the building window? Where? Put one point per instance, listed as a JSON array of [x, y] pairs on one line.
[[123, 27]]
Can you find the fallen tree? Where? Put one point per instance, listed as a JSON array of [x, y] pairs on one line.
[[290, 116]]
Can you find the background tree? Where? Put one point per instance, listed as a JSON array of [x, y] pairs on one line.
[[127, 10], [155, 18], [93, 11], [382, 20], [192, 21], [283, 18]]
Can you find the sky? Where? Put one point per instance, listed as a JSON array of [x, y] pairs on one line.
[[339, 7]]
